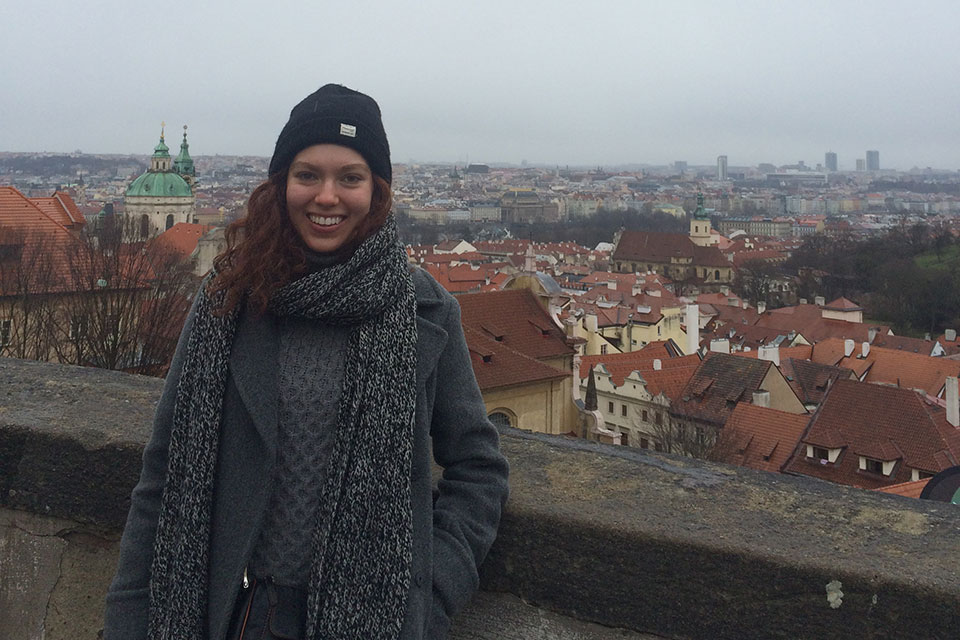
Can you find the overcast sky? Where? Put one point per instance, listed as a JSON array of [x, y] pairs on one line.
[[558, 81]]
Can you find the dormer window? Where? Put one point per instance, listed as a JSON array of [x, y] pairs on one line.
[[823, 455], [878, 467]]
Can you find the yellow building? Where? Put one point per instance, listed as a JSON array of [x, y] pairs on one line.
[[522, 360]]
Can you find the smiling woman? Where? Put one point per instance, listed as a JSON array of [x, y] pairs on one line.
[[329, 190], [286, 491]]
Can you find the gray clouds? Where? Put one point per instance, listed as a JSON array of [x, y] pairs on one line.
[[553, 82]]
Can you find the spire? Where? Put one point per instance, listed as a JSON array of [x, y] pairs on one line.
[[184, 163], [700, 213], [161, 150], [590, 402]]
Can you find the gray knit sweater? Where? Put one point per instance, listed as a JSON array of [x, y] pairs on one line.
[[311, 360]]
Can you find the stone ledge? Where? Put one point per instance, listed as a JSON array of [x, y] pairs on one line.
[[633, 541], [688, 549]]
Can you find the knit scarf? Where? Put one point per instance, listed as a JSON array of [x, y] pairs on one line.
[[362, 545]]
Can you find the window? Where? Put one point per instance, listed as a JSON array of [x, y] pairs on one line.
[[610, 407], [500, 419], [716, 274], [624, 438], [603, 349], [623, 410], [78, 327], [644, 443], [819, 453], [873, 466], [658, 418], [645, 418], [6, 325]]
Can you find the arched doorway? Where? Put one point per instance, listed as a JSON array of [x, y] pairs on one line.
[[169, 220]]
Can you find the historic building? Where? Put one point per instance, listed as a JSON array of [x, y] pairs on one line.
[[163, 196], [692, 261]]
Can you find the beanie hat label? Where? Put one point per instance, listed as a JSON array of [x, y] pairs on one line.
[[348, 130]]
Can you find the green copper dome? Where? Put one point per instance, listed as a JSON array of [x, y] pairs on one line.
[[160, 184]]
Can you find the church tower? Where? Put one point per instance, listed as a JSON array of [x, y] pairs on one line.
[[163, 196], [701, 233], [184, 163]]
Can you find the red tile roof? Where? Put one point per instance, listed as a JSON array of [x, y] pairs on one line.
[[890, 366], [61, 208], [670, 379], [807, 320], [649, 246], [879, 422], [759, 437], [183, 237], [911, 489], [721, 381], [842, 304], [516, 319], [496, 365]]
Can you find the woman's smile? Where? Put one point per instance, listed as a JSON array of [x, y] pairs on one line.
[[329, 190]]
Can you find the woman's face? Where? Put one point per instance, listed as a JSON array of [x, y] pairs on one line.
[[329, 189]]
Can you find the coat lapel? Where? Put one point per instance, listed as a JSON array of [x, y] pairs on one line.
[[253, 367]]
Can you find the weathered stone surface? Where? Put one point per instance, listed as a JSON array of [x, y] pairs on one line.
[[622, 538], [501, 616], [687, 549], [30, 553], [71, 439], [75, 609]]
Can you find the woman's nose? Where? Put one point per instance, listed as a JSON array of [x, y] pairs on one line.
[[326, 193]]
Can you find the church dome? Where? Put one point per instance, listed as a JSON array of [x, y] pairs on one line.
[[159, 185]]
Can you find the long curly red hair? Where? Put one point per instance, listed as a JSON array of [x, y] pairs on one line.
[[264, 251]]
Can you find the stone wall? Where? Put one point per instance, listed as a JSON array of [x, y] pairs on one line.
[[597, 542]]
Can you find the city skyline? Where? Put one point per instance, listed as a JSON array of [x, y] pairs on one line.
[[549, 83]]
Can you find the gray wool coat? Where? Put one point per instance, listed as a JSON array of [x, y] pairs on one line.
[[451, 534]]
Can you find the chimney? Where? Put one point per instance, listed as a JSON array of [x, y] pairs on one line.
[[953, 401], [761, 398], [761, 307], [693, 328], [657, 365], [725, 290], [864, 349], [720, 345], [590, 322], [950, 335], [848, 346], [819, 301], [871, 334], [771, 353]]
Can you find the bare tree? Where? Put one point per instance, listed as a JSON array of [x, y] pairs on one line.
[[677, 436], [130, 298], [28, 292]]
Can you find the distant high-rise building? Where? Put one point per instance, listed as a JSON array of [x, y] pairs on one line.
[[830, 160], [861, 164], [721, 167], [873, 161], [680, 166]]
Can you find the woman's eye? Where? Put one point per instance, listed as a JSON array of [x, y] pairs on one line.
[[353, 178], [305, 175]]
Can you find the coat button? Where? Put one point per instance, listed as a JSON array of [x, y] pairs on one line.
[[418, 580]]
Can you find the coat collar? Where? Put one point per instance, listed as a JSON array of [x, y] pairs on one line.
[[254, 359]]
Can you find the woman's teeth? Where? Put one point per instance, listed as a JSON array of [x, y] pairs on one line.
[[325, 221]]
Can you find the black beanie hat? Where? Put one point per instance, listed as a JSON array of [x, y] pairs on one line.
[[337, 115]]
